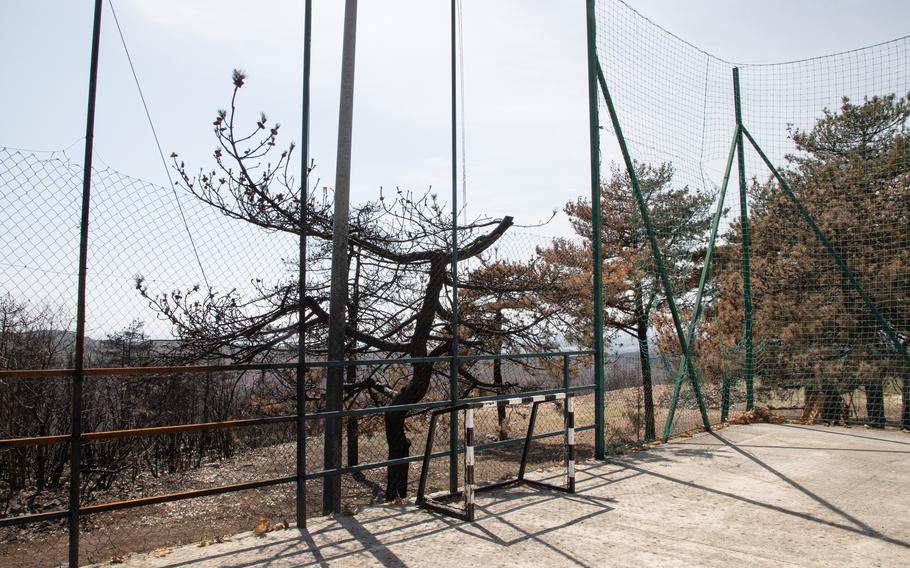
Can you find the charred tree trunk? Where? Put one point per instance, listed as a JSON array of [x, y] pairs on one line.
[[833, 406], [40, 469], [644, 358], [352, 426], [352, 429], [395, 433], [865, 327], [905, 402], [875, 403], [500, 408], [905, 393]]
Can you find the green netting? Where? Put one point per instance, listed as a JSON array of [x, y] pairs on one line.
[[830, 321]]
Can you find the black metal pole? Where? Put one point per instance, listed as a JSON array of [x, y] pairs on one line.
[[565, 382], [301, 273], [453, 369], [331, 492], [79, 350]]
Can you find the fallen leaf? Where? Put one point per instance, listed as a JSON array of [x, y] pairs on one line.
[[161, 552], [262, 526]]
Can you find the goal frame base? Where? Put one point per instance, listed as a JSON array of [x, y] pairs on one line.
[[442, 503]]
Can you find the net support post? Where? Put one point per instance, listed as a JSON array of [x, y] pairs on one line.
[[453, 369], [338, 293], [597, 252], [522, 468], [565, 379], [905, 400], [300, 442], [746, 259], [702, 281], [427, 454], [652, 241], [79, 348]]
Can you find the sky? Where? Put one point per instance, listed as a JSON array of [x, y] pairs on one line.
[[525, 86], [525, 81]]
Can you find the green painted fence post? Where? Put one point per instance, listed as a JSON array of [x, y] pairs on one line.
[[597, 253], [744, 225], [702, 281]]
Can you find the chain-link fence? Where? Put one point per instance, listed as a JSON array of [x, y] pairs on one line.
[[189, 388], [723, 284]]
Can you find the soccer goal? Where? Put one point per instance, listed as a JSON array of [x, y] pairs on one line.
[[446, 503]]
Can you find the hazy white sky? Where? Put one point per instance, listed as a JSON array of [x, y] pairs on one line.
[[525, 98]]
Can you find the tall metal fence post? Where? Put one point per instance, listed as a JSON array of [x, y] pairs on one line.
[[703, 279], [744, 225], [597, 253], [453, 366], [331, 492], [301, 270], [79, 349]]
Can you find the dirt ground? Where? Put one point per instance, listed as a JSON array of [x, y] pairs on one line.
[[755, 495]]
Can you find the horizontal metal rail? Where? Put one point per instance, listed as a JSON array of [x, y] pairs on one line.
[[152, 500], [437, 404], [240, 423], [150, 431], [202, 369], [34, 518], [192, 494], [258, 484]]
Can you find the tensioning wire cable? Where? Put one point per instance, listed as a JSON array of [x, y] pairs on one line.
[[167, 170]]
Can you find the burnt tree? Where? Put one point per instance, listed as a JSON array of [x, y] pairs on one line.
[[398, 243]]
